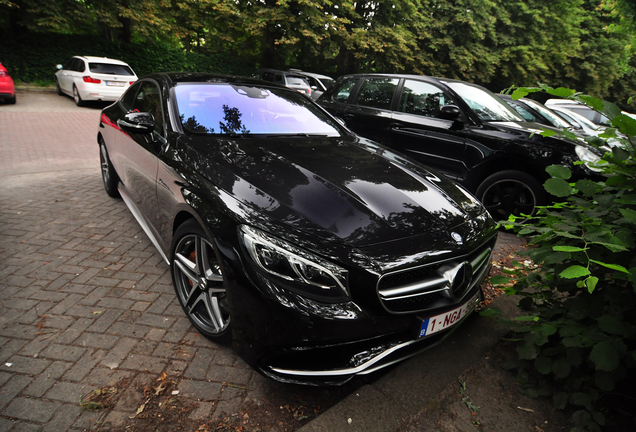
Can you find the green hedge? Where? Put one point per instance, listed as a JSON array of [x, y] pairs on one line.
[[32, 58]]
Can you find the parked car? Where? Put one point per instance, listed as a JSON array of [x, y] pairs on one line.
[[289, 79], [582, 123], [534, 111], [320, 254], [7, 87], [592, 115], [461, 130], [93, 79], [319, 83]]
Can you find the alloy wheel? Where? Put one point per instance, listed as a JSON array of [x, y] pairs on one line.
[[199, 284]]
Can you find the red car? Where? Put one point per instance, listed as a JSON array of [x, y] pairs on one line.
[[7, 88]]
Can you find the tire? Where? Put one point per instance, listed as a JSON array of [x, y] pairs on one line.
[[59, 89], [198, 282], [109, 175], [77, 98], [510, 192]]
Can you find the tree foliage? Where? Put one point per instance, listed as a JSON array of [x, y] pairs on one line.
[[579, 305], [584, 44]]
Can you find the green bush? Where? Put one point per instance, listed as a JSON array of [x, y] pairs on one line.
[[33, 57], [578, 325]]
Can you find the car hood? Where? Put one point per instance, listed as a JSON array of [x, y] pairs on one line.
[[529, 131], [343, 189]]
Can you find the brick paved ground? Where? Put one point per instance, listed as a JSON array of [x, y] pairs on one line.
[[85, 298]]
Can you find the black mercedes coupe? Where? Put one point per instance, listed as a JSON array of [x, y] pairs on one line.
[[318, 254]]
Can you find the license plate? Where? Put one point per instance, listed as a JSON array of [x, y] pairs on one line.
[[443, 321], [115, 83]]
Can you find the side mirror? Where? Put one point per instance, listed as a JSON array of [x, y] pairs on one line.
[[60, 67], [137, 123], [450, 112]]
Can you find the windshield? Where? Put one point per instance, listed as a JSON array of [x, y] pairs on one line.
[[208, 108], [111, 69], [553, 118], [486, 105]]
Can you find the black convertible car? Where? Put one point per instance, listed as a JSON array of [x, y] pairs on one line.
[[461, 130], [317, 253]]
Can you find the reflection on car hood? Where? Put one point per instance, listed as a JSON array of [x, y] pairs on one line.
[[354, 191]]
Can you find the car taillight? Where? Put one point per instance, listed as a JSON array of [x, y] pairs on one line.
[[131, 83], [92, 80], [4, 74]]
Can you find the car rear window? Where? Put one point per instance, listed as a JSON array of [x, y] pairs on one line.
[[236, 109], [110, 69], [297, 81]]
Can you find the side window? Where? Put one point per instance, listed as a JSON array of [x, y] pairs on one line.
[[79, 65], [148, 99], [527, 115], [69, 64], [377, 92], [279, 78], [128, 98], [267, 76], [342, 94], [422, 99]]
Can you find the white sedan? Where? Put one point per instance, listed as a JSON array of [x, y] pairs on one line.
[[93, 79]]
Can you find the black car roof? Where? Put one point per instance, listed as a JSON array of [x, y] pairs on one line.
[[199, 77], [412, 76]]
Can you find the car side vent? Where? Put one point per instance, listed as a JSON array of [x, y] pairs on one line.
[[435, 285]]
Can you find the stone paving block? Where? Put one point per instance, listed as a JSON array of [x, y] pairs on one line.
[[4, 377], [117, 355], [47, 379], [232, 375], [96, 340], [95, 295], [202, 411], [90, 420], [10, 348], [160, 304], [114, 303], [31, 409], [153, 320], [155, 334], [72, 333], [40, 343], [21, 426], [12, 388], [130, 330], [178, 331], [63, 352], [144, 363], [105, 320], [68, 301], [200, 390], [25, 365], [101, 377], [69, 392], [227, 407], [64, 418], [84, 365]]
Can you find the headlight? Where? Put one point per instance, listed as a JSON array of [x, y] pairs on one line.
[[294, 268], [589, 157]]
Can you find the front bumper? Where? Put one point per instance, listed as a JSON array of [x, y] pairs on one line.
[[337, 364]]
